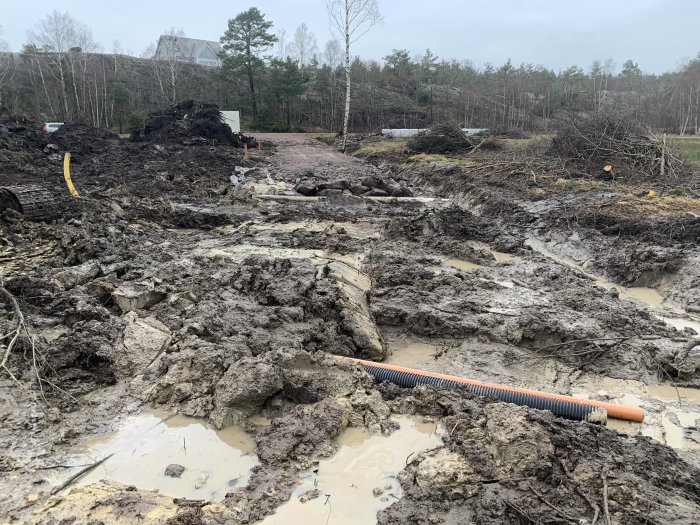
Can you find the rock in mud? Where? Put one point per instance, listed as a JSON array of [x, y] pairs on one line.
[[358, 189], [243, 388], [298, 435], [174, 470], [308, 190], [341, 184], [139, 296], [144, 339], [330, 193], [77, 275], [358, 322]]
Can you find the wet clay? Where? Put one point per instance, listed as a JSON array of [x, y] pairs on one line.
[[360, 479]]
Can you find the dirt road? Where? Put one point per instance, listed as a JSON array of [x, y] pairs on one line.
[[190, 281]]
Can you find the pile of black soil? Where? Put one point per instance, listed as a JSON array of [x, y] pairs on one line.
[[83, 139], [187, 121]]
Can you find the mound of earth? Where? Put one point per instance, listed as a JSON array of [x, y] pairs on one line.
[[186, 121]]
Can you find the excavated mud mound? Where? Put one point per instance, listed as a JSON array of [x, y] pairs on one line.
[[505, 464], [189, 120], [83, 139]]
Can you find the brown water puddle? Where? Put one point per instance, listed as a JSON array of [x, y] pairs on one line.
[[216, 462], [648, 296], [411, 354], [671, 413], [501, 257], [346, 481], [459, 264]]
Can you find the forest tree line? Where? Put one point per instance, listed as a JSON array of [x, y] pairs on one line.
[[289, 84]]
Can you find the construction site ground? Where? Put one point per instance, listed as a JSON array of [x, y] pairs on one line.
[[186, 313]]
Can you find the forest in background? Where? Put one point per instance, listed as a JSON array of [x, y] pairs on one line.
[[298, 87]]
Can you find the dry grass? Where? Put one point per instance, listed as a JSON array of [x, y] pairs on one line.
[[431, 157], [541, 141], [689, 145], [575, 185], [385, 146], [666, 206]]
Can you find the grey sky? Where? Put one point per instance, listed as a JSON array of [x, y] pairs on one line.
[[658, 34]]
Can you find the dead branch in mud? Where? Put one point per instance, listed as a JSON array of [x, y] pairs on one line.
[[621, 338], [80, 473], [552, 506], [606, 509], [591, 503], [19, 325], [21, 330], [525, 518]]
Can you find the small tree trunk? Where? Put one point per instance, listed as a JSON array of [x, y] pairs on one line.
[[347, 75]]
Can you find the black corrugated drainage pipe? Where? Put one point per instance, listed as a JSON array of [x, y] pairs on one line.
[[564, 406]]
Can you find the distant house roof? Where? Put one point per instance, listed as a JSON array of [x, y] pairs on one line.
[[205, 52]]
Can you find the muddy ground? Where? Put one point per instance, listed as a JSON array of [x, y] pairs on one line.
[[188, 280]]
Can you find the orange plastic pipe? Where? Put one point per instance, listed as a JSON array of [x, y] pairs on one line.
[[624, 412]]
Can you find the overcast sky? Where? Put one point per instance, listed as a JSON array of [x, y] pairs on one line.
[[659, 34]]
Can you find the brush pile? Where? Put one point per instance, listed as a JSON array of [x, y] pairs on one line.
[[442, 138], [619, 142]]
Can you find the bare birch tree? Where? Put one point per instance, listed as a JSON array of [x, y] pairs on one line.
[[6, 65], [3, 44], [351, 19], [281, 44], [168, 62], [303, 46], [62, 40], [332, 54]]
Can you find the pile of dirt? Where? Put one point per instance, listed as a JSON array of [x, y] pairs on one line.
[[506, 464], [612, 142], [187, 121], [16, 122], [83, 139]]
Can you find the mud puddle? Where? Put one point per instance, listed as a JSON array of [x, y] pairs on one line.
[[410, 351], [215, 462], [412, 354], [360, 479], [672, 415], [679, 318], [460, 264]]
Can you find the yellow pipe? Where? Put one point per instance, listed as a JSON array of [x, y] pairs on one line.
[[66, 175]]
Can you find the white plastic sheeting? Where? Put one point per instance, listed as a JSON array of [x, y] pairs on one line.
[[407, 132]]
